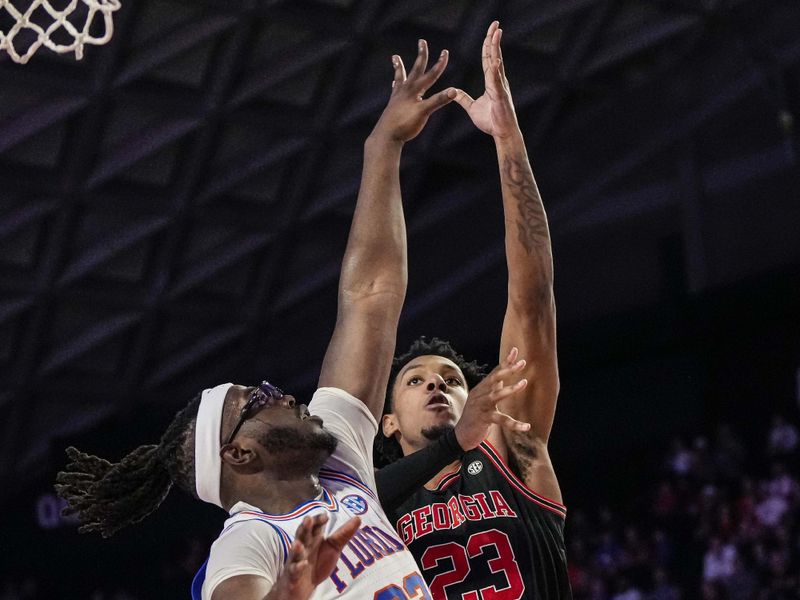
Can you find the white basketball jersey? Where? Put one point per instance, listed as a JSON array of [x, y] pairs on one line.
[[375, 564]]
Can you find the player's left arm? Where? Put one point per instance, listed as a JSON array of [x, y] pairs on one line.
[[530, 319], [372, 284]]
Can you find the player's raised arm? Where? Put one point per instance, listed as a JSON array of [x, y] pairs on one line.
[[372, 284], [530, 320]]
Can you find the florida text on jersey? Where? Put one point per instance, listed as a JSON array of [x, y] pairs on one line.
[[373, 544]]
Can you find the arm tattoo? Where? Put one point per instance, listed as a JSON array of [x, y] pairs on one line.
[[522, 454], [532, 221]]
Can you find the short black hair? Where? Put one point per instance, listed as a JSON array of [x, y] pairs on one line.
[[387, 450]]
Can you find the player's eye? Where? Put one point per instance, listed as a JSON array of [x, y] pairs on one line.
[[453, 381], [415, 380]]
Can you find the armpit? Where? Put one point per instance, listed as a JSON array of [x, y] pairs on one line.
[[522, 453]]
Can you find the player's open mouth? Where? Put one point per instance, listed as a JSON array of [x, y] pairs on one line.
[[437, 401]]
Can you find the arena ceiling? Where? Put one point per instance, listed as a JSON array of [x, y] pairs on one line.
[[173, 208]]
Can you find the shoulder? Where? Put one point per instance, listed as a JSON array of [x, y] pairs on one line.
[[339, 408], [540, 495], [349, 420], [528, 459], [250, 533], [249, 550]]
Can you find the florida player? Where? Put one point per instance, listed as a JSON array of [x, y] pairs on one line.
[[304, 518], [491, 524]]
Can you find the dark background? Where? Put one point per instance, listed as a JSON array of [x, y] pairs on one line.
[[173, 210]]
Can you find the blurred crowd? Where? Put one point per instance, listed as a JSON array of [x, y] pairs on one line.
[[719, 521], [716, 520]]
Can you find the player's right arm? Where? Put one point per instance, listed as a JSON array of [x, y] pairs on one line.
[[372, 284], [530, 319], [243, 587]]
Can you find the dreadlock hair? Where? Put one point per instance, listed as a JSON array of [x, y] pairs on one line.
[[387, 449], [108, 496]]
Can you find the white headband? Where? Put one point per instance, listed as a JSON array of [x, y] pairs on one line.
[[207, 461]]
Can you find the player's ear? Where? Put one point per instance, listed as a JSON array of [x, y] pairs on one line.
[[389, 425], [239, 455]]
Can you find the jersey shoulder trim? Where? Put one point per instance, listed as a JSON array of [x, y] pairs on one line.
[[494, 456], [448, 479], [328, 502]]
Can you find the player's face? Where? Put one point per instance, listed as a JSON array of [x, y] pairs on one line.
[[280, 425], [428, 394]]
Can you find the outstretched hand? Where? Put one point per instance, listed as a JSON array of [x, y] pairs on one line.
[[493, 112], [312, 558], [480, 410], [407, 111]]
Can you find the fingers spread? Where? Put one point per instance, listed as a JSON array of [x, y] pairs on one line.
[[296, 569], [438, 100], [503, 372], [509, 423], [512, 355], [317, 524], [429, 78], [341, 536], [297, 552], [422, 60], [316, 530], [463, 99], [303, 533], [399, 70], [504, 392]]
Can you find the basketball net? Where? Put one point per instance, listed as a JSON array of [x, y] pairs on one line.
[[79, 32]]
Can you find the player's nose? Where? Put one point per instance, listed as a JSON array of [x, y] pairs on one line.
[[288, 401], [435, 382]]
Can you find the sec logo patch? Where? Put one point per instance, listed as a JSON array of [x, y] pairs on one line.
[[357, 504], [475, 467]]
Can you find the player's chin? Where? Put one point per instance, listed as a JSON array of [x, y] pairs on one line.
[[436, 430], [324, 440], [442, 418]]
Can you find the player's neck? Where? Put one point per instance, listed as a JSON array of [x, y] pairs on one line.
[[274, 495]]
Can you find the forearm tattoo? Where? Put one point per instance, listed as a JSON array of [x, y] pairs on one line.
[[532, 222]]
